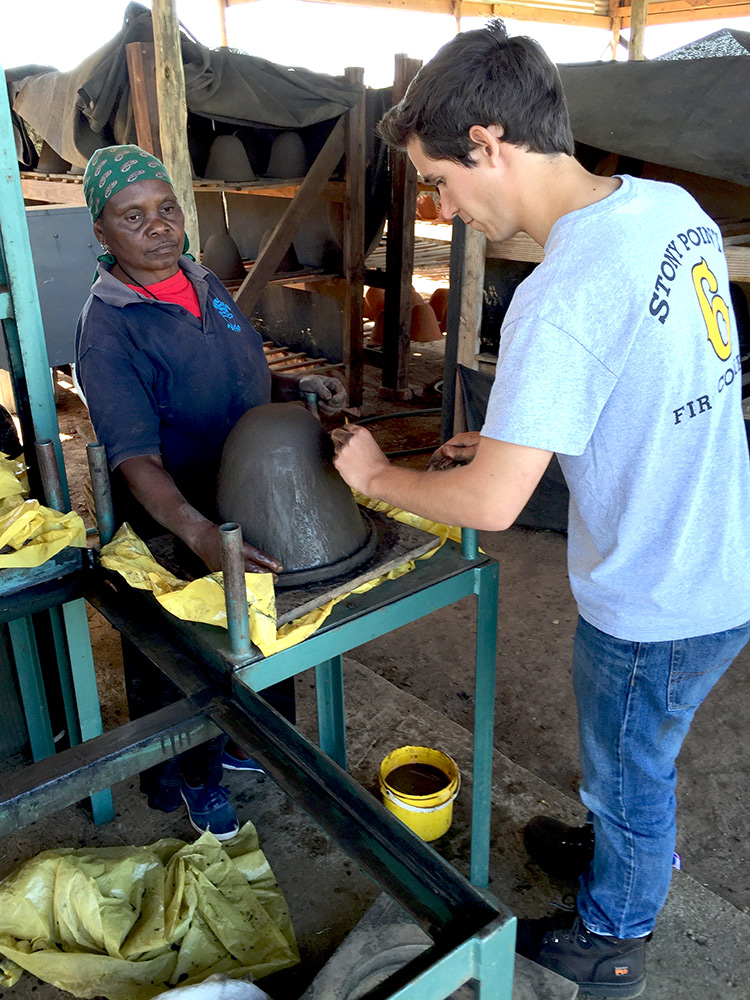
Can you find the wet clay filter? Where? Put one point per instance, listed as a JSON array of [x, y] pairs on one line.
[[278, 482]]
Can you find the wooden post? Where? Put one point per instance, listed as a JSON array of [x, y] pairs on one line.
[[457, 5], [223, 22], [616, 24], [170, 92], [399, 255], [470, 315], [638, 18], [141, 60], [354, 242]]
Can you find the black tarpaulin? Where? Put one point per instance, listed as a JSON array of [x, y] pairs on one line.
[[90, 106], [688, 114]]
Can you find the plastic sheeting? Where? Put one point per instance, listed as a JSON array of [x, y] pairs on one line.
[[79, 111], [128, 922]]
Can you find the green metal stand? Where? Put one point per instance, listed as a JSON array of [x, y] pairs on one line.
[[21, 321]]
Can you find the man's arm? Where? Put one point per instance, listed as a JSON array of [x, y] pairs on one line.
[[156, 491], [488, 493]]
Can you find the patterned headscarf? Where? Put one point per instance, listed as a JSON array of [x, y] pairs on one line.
[[114, 167]]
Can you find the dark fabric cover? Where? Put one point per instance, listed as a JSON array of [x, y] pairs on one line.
[[89, 107], [685, 114], [548, 505]]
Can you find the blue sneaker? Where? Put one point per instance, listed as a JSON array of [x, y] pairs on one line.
[[232, 763], [209, 809]]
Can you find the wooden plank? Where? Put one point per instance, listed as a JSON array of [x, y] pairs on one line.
[[354, 243], [141, 60], [54, 192], [399, 254], [170, 93], [286, 228]]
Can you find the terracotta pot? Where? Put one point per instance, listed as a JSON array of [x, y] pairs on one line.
[[222, 256], [424, 325], [426, 207], [228, 161], [374, 302], [278, 482], [439, 303]]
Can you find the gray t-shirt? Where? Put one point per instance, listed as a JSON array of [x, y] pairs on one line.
[[620, 353]]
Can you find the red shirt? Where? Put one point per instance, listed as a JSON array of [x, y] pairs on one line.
[[177, 289]]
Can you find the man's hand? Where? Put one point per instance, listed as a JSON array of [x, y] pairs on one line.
[[460, 450], [358, 457], [330, 391], [207, 545]]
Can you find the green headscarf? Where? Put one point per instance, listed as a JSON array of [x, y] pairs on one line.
[[112, 168]]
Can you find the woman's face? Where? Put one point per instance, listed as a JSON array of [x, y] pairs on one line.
[[144, 228]]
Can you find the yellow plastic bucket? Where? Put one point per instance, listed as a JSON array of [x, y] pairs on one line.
[[419, 784]]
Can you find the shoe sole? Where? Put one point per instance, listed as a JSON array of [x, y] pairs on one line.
[[605, 991], [199, 829], [238, 767]]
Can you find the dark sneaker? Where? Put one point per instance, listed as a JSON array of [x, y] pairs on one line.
[[209, 809], [562, 851], [602, 966], [232, 763], [164, 796]]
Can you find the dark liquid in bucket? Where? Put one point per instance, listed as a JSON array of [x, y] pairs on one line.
[[417, 779]]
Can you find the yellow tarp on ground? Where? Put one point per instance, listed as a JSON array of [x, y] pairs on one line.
[[128, 922], [203, 600], [33, 532]]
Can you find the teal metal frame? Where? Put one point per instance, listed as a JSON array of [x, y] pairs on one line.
[[21, 321], [449, 575]]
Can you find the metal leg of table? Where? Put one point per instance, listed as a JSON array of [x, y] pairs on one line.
[[62, 659], [31, 686], [484, 721], [329, 686], [86, 695]]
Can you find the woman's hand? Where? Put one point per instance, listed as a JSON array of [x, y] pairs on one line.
[[460, 450], [207, 546]]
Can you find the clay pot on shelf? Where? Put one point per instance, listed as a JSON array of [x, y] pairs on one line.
[[50, 161], [287, 159], [228, 161], [222, 256], [289, 263]]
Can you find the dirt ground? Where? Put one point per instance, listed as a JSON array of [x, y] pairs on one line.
[[535, 713]]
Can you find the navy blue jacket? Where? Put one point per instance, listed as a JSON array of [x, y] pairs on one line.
[[159, 381]]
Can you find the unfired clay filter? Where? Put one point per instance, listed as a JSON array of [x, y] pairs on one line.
[[222, 256], [228, 161], [278, 482]]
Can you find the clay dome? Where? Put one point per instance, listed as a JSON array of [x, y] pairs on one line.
[[228, 161], [222, 256], [50, 162], [426, 207], [287, 157], [278, 482], [289, 262], [374, 302], [439, 303], [424, 325]]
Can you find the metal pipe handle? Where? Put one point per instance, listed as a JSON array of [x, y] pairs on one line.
[[102, 489], [235, 594], [50, 475]]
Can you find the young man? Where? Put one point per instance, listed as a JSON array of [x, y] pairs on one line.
[[618, 353]]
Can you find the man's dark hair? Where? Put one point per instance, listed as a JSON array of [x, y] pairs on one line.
[[482, 77]]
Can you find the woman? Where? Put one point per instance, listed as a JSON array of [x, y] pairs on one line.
[[168, 364]]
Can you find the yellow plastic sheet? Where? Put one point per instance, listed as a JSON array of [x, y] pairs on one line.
[[126, 923], [203, 600], [33, 532]]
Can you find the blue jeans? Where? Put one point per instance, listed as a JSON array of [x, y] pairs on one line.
[[636, 701]]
